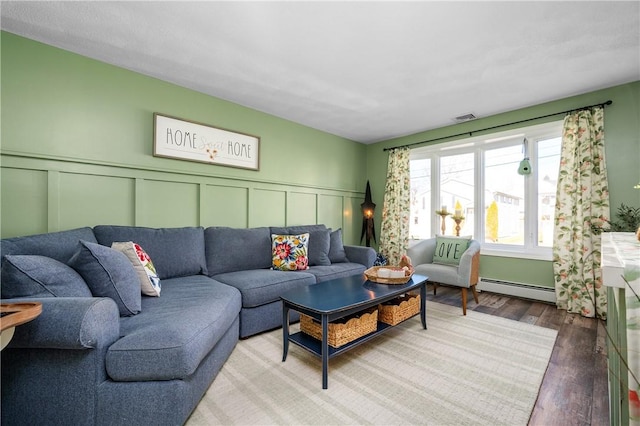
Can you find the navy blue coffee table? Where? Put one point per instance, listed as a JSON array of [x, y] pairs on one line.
[[330, 300]]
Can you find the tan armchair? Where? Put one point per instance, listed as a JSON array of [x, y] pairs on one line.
[[465, 275]]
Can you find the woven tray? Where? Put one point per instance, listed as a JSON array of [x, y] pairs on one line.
[[340, 333], [372, 275], [399, 309]]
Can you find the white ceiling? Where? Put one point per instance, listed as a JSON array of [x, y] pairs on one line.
[[367, 71]]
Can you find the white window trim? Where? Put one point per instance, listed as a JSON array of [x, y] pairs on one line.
[[476, 144]]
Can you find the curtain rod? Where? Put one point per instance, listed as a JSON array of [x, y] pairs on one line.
[[470, 133]]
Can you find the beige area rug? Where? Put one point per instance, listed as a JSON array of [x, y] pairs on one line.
[[473, 370]]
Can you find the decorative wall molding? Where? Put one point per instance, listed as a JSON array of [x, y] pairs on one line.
[[86, 194]]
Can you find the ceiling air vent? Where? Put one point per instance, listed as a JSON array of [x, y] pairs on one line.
[[465, 117]]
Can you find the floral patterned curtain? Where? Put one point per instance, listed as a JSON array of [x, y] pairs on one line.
[[394, 233], [582, 207]]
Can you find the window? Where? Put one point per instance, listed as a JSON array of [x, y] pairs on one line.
[[504, 189], [457, 188], [548, 160], [478, 178], [420, 225]]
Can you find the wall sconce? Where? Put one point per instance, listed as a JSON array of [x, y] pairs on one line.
[[368, 210]]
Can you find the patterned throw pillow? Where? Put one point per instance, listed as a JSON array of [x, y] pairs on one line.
[[289, 252], [146, 272]]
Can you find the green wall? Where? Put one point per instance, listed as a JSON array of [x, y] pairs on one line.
[[622, 145], [77, 140], [77, 144]]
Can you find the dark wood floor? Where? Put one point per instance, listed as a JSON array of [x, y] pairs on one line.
[[574, 390]]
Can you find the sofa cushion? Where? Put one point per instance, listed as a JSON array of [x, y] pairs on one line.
[[336, 270], [142, 264], [289, 252], [438, 273], [237, 249], [176, 252], [108, 273], [319, 241], [336, 247], [262, 286], [40, 276], [449, 250], [175, 332], [56, 245]]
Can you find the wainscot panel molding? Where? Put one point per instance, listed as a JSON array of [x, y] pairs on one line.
[[268, 207], [331, 210], [73, 164], [232, 212], [50, 194]]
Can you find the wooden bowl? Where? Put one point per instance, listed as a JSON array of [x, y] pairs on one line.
[[372, 275]]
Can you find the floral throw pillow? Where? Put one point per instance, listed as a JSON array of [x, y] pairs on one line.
[[289, 252], [146, 272]]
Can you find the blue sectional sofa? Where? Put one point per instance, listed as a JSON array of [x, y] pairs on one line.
[[126, 358]]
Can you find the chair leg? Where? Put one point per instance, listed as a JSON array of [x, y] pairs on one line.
[[475, 293], [464, 300], [435, 285]]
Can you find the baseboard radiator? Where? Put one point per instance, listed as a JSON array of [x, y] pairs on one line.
[[527, 291]]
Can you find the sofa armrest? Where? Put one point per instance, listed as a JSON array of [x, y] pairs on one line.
[[69, 323], [359, 254]]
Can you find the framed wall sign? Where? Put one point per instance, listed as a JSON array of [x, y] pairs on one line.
[[187, 140]]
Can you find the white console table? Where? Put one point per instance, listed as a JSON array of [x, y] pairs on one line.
[[621, 276]]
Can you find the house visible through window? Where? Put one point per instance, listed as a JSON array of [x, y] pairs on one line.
[[509, 213]]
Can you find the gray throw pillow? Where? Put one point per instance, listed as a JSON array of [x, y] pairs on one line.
[[40, 276], [109, 273], [237, 249], [176, 252], [56, 245], [337, 254]]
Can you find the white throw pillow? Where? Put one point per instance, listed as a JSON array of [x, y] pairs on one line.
[[149, 280]]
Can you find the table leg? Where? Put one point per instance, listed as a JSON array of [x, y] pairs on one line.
[[285, 331], [325, 351], [423, 304]]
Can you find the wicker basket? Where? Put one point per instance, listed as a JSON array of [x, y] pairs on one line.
[[399, 309], [346, 330], [372, 275]]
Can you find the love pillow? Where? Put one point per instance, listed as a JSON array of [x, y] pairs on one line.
[[449, 250]]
